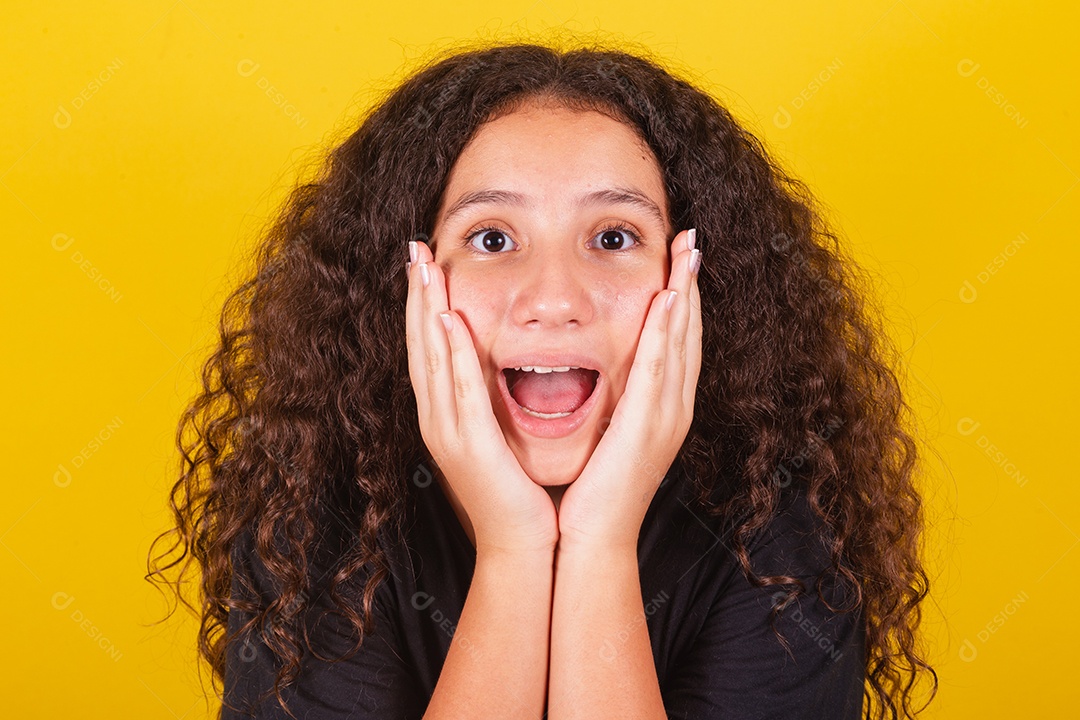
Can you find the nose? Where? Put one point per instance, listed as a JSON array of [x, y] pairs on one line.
[[554, 289]]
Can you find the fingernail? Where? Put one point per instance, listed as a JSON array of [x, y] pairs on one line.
[[412, 251], [691, 239], [447, 321], [670, 300], [424, 274], [695, 261], [408, 266]]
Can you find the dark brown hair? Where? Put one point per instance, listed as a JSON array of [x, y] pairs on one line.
[[306, 412]]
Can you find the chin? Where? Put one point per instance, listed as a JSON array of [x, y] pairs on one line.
[[550, 465], [551, 476]]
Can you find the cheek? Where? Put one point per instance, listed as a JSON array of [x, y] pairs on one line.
[[626, 298], [628, 309], [624, 306], [624, 313], [478, 302]]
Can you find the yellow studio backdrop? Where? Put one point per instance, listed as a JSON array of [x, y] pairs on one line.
[[145, 145]]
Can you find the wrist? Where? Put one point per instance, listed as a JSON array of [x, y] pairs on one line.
[[517, 554], [597, 547]]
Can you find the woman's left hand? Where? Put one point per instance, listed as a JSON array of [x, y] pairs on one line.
[[607, 503]]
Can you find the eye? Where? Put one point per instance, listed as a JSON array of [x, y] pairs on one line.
[[610, 236], [492, 240]]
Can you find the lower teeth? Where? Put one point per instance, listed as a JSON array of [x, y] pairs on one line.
[[544, 416]]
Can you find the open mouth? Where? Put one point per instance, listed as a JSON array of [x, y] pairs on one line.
[[550, 393]]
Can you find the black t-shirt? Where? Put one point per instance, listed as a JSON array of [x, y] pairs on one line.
[[716, 655]]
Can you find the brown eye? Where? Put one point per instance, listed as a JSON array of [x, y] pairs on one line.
[[492, 240], [616, 238]]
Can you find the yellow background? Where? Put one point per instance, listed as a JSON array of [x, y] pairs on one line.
[[126, 221]]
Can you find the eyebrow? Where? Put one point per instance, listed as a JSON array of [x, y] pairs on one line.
[[609, 196]]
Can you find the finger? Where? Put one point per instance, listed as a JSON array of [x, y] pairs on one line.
[[693, 342], [646, 380], [437, 362], [680, 247], [678, 325], [474, 412], [414, 340]]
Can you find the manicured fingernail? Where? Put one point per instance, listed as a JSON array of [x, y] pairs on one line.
[[691, 239], [408, 266], [424, 274], [695, 261], [412, 251], [670, 300], [447, 321]]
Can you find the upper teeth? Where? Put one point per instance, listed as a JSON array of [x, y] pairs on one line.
[[540, 369]]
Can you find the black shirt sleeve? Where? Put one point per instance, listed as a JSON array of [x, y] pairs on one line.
[[375, 682], [737, 669]]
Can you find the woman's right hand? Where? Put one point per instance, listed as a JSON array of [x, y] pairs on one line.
[[507, 510]]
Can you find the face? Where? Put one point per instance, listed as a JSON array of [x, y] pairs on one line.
[[553, 233]]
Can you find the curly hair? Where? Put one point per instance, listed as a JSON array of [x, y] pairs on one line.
[[303, 418]]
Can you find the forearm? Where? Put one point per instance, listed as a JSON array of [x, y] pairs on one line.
[[601, 659], [497, 663]]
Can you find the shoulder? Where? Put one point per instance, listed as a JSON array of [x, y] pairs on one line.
[[794, 547], [757, 654], [325, 588], [795, 541], [337, 677]]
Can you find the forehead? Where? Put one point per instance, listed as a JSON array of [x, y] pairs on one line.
[[553, 151]]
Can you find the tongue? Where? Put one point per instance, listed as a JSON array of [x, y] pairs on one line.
[[552, 392]]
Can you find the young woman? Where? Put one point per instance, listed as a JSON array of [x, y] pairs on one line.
[[624, 440]]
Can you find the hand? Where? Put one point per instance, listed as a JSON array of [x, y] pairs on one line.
[[507, 510], [607, 503]]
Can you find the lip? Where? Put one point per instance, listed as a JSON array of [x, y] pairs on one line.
[[551, 359], [556, 427]]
